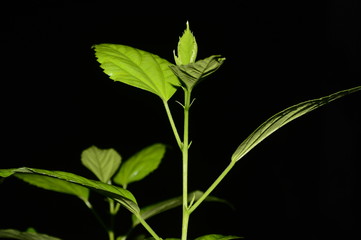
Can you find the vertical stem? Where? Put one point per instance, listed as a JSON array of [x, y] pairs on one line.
[[185, 146], [112, 216]]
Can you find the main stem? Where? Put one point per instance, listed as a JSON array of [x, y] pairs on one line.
[[185, 146]]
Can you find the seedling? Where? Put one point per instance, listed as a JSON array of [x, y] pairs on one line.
[[152, 73]]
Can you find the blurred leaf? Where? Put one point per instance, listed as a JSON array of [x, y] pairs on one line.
[[137, 68], [187, 48], [168, 204], [282, 118], [217, 237], [15, 234], [140, 164], [191, 74], [122, 196], [102, 162]]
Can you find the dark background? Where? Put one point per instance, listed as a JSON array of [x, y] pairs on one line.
[[298, 184]]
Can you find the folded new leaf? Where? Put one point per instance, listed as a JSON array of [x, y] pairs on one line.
[[191, 74], [187, 48]]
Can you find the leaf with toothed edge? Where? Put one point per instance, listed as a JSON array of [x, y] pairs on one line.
[[137, 68]]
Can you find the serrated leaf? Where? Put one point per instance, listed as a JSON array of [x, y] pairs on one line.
[[217, 237], [282, 118], [122, 196], [187, 48], [102, 162], [157, 208], [140, 164], [190, 75], [15, 234], [137, 68]]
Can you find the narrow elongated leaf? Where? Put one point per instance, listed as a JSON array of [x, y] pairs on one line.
[[168, 204], [187, 48], [120, 195], [191, 74], [282, 118], [140, 164], [102, 162], [137, 68], [15, 234], [217, 237], [54, 184]]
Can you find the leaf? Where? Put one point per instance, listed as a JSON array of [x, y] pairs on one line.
[[102, 162], [140, 164], [15, 234], [120, 195], [137, 68], [193, 73], [187, 48], [217, 237], [168, 204], [56, 185], [282, 118]]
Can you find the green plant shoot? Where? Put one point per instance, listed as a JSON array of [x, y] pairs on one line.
[[156, 75]]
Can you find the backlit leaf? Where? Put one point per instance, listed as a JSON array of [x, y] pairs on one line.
[[282, 118], [217, 237], [54, 184], [102, 162], [15, 234], [140, 164], [122, 196], [137, 68], [187, 48]]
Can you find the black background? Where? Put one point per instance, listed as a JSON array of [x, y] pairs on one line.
[[298, 184]]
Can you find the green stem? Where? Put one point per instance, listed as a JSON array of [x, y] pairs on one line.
[[211, 188], [112, 211], [171, 121], [147, 227], [185, 146]]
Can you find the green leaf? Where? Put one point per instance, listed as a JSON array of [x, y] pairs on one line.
[[140, 164], [56, 185], [102, 162], [191, 74], [187, 48], [137, 68], [120, 195], [282, 118], [15, 234], [154, 209], [217, 237]]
